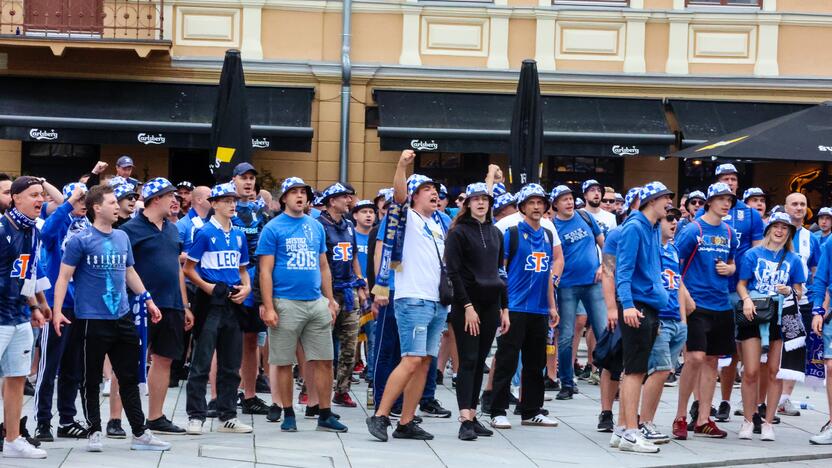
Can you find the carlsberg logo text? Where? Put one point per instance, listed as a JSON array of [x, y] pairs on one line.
[[39, 134], [260, 143], [148, 139], [625, 150], [422, 145]]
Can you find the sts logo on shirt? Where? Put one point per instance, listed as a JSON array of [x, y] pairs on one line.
[[671, 280], [20, 267], [537, 262], [342, 252]]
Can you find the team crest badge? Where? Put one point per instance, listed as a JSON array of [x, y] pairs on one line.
[[740, 215]]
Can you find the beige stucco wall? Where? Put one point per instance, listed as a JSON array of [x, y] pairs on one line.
[[655, 47], [804, 6], [292, 35], [792, 55], [521, 37]]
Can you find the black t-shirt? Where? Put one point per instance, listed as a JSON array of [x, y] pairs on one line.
[[156, 254]]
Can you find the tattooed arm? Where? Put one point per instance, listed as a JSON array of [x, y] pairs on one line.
[[608, 288]]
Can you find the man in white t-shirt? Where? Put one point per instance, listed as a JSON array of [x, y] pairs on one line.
[[419, 314], [593, 194]]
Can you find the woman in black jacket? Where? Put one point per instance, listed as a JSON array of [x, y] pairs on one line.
[[474, 256]]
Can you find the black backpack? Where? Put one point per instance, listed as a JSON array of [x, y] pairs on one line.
[[514, 240]]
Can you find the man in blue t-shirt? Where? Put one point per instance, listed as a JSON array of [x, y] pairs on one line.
[[532, 264], [348, 284], [707, 249], [298, 302], [581, 281], [196, 217], [364, 215], [100, 263], [824, 220], [216, 264]]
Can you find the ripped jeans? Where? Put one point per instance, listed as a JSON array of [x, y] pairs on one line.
[[420, 326]]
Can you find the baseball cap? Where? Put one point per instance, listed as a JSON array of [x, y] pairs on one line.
[[825, 211], [185, 185], [156, 187], [726, 168], [125, 161], [242, 168], [753, 192]]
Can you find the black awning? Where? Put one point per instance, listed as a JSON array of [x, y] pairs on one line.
[[480, 123], [701, 121], [127, 112]]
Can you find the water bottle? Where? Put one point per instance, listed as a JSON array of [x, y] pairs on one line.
[[551, 344], [370, 397]]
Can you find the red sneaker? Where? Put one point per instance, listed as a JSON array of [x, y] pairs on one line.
[[343, 399], [359, 367], [303, 398], [710, 430], [680, 428]]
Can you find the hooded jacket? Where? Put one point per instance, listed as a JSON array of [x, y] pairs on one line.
[[638, 266], [473, 258]]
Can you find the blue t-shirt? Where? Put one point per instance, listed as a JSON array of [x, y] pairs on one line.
[[296, 244], [380, 237], [760, 268], [187, 227], [807, 247], [528, 272], [707, 288], [361, 241], [821, 237], [671, 280], [101, 261], [17, 263], [580, 254], [219, 254], [748, 225]]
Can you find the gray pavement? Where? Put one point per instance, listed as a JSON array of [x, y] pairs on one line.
[[575, 442]]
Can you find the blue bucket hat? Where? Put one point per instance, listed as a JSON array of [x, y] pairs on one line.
[[632, 195], [653, 190], [589, 184], [696, 194], [498, 189], [717, 190], [477, 189], [293, 182], [558, 192], [753, 192], [156, 187], [443, 192], [825, 211], [223, 190], [334, 190], [529, 191], [619, 197], [724, 169], [69, 188], [361, 204], [503, 201], [123, 191], [579, 203], [781, 217], [416, 181]]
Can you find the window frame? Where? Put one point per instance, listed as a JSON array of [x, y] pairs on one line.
[[598, 3], [723, 3]]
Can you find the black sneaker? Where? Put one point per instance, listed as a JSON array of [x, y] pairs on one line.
[[758, 423], [481, 430], [577, 369], [551, 385], [485, 401], [723, 414], [163, 425], [433, 409], [377, 426], [25, 433], [114, 430], [255, 405], [43, 432], [28, 388], [313, 412], [466, 431], [762, 410], [586, 373], [440, 377], [262, 384], [565, 393], [396, 412], [72, 431], [212, 409], [605, 421], [694, 414], [275, 413], [512, 400], [411, 430]]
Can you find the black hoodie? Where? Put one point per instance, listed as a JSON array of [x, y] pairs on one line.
[[473, 256]]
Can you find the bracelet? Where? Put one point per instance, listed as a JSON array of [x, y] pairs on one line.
[[746, 297], [818, 311], [468, 305], [145, 296], [555, 279]]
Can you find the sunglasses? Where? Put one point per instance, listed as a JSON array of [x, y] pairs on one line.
[[608, 200], [460, 198], [670, 218], [697, 202]]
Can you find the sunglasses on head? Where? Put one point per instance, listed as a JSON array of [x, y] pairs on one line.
[[608, 200]]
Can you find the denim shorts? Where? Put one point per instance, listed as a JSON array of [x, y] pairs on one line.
[[669, 342], [420, 326], [16, 349], [827, 341]]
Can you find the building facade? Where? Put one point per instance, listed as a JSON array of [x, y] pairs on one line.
[[625, 83]]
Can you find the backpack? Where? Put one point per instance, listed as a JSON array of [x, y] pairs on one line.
[[514, 240]]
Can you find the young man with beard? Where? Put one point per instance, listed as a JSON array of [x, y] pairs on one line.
[[348, 284], [417, 305], [707, 247], [156, 248], [532, 261], [298, 301], [216, 264], [639, 288], [127, 197], [250, 218], [60, 354], [185, 191], [99, 261], [594, 193], [824, 220], [18, 315]]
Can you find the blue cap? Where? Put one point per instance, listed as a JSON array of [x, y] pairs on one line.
[[498, 189], [719, 189], [503, 201], [125, 161], [591, 183], [415, 181], [124, 190], [242, 168], [558, 192], [529, 191], [726, 168], [825, 211], [476, 189], [156, 187], [653, 190], [632, 195], [69, 188], [223, 190], [753, 192], [334, 190], [579, 203], [292, 182], [696, 194]]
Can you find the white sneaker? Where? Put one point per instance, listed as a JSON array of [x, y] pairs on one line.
[[149, 442], [95, 443], [615, 440], [540, 420], [652, 434], [500, 422], [106, 390], [635, 442], [235, 426], [788, 408], [194, 427], [767, 432], [824, 438], [746, 430], [21, 448]]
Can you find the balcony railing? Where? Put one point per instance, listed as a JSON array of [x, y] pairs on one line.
[[128, 20]]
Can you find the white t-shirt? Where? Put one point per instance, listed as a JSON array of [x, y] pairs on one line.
[[515, 218], [606, 220], [418, 277]]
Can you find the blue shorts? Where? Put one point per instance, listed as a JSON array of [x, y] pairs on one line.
[[420, 326], [669, 342], [827, 341], [16, 349]]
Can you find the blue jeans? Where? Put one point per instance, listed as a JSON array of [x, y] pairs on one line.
[[420, 326], [568, 298], [668, 345]]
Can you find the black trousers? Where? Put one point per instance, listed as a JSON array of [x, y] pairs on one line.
[[119, 340], [59, 356], [473, 350], [527, 334], [217, 328]]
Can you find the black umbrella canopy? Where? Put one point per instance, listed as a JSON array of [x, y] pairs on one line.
[[526, 139], [230, 129], [804, 135]]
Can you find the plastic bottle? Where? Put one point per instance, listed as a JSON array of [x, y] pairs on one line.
[[370, 398]]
